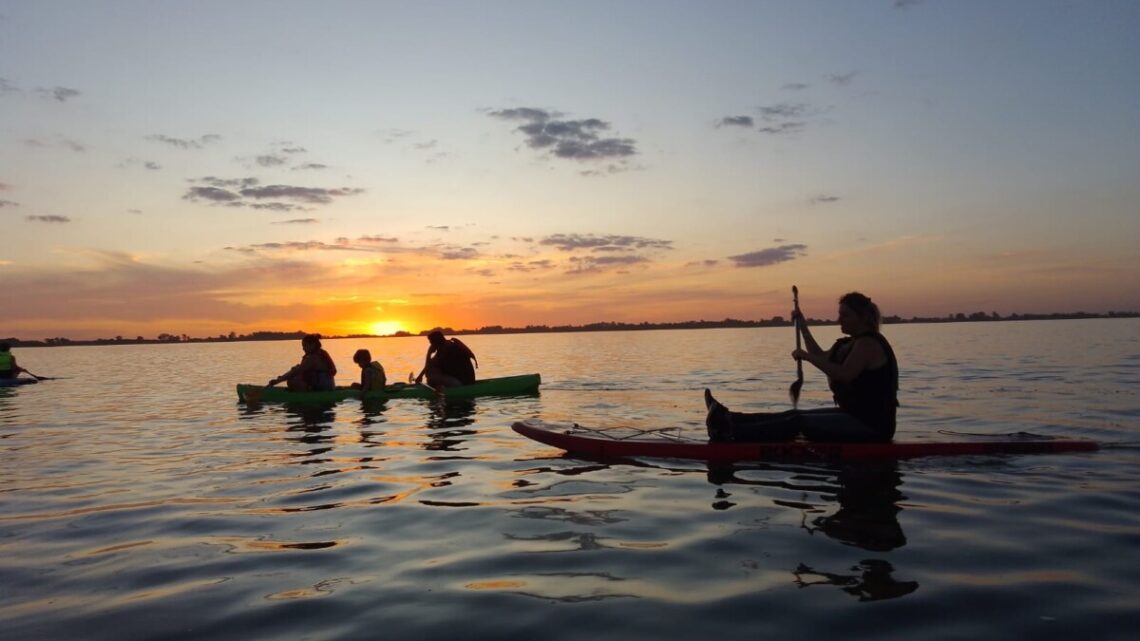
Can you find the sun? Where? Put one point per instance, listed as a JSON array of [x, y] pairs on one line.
[[386, 328]]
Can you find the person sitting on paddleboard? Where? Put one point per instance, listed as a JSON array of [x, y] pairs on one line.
[[863, 376], [372, 376], [448, 362], [8, 366], [315, 372]]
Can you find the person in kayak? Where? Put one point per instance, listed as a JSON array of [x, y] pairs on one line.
[[8, 366], [863, 376], [448, 362], [372, 376], [315, 372]]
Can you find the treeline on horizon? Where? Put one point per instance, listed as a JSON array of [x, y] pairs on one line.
[[775, 321]]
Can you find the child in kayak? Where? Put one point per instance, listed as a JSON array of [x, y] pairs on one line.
[[315, 372], [863, 376], [372, 376]]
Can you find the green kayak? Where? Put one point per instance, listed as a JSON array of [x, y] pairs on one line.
[[503, 386]]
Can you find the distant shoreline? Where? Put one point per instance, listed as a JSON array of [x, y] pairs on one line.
[[777, 321]]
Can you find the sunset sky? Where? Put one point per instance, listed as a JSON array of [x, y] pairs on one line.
[[363, 167]]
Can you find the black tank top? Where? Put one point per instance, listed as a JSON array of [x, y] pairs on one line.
[[872, 396]]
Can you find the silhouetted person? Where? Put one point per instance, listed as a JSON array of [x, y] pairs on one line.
[[448, 362], [863, 376], [8, 366], [315, 372], [372, 376]]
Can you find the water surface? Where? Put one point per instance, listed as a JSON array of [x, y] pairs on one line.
[[140, 500]]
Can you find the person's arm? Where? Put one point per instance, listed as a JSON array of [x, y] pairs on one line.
[[810, 344], [427, 363], [865, 354], [293, 371]]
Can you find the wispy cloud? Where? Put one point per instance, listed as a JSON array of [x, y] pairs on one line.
[[770, 256], [185, 143], [823, 199], [610, 242], [842, 79], [248, 192], [593, 264], [49, 219], [61, 94], [270, 160], [736, 121], [8, 203], [580, 140], [298, 221]]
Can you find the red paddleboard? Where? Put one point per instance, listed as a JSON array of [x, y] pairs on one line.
[[625, 442]]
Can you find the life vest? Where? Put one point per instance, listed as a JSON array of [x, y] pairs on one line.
[[872, 396], [6, 361], [380, 377]]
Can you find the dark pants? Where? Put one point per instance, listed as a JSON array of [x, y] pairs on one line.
[[825, 424]]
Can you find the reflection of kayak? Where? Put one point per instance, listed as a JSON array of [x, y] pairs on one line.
[[12, 382], [617, 442], [503, 386]]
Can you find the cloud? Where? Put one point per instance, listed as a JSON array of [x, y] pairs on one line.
[[49, 219], [906, 4], [136, 162], [7, 87], [594, 264], [8, 203], [824, 199], [62, 94], [531, 266], [372, 240], [269, 160], [785, 111], [183, 143], [310, 166], [572, 242], [735, 121], [842, 79], [770, 256], [247, 192], [312, 195], [782, 128], [795, 86], [580, 140], [298, 221], [214, 194]]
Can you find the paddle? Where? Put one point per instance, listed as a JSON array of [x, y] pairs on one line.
[[39, 378], [794, 390]]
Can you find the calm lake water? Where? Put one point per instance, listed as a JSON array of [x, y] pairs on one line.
[[140, 500]]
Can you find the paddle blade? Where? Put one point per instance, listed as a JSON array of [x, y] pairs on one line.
[[794, 391]]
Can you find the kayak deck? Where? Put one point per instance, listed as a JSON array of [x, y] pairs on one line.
[[669, 443], [502, 386]]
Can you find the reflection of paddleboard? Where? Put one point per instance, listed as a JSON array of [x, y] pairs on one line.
[[12, 382], [618, 442], [502, 386]]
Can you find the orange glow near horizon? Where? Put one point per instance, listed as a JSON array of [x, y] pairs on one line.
[[387, 328]]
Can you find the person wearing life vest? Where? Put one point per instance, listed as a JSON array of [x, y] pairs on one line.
[[861, 371], [372, 376], [8, 366], [448, 362], [315, 372]]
